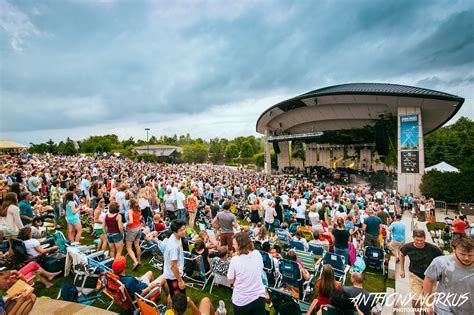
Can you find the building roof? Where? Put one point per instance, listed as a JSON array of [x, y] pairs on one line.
[[353, 106], [8, 144], [159, 149], [442, 167]]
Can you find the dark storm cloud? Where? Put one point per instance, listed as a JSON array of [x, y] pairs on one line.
[[78, 64]]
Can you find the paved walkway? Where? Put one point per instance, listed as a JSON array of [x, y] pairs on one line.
[[401, 284]]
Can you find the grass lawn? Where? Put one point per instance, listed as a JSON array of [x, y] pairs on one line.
[[373, 283]]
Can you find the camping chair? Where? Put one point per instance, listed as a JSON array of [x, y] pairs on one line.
[[268, 265], [296, 245], [282, 237], [316, 250], [338, 264], [275, 225], [307, 260], [293, 227], [148, 307], [153, 248], [117, 291], [307, 232], [374, 257], [291, 276], [219, 277], [21, 255], [69, 292], [195, 271], [284, 303]]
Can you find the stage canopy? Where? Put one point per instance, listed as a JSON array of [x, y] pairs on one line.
[[7, 144], [355, 106], [442, 167]]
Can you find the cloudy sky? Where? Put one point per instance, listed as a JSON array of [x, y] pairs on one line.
[[81, 68]]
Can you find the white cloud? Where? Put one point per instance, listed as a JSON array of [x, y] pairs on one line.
[[16, 25]]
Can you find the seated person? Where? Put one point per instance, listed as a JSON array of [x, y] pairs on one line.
[[29, 272], [142, 285], [37, 228], [284, 227], [256, 230], [200, 249], [262, 235], [266, 247], [300, 238], [210, 243], [316, 241], [341, 304], [326, 287], [220, 263], [32, 245], [158, 223], [19, 304], [180, 303], [291, 255]]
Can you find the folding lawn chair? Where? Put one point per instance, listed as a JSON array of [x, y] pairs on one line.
[[374, 257], [284, 303], [338, 264], [293, 227], [148, 307], [282, 237], [195, 271], [291, 276], [296, 245]]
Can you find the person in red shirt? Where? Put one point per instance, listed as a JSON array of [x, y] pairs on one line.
[[158, 223], [459, 227], [326, 286]]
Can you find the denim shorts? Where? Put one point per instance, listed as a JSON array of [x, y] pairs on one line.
[[114, 238]]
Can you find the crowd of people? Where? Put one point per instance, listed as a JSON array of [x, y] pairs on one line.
[[124, 202]]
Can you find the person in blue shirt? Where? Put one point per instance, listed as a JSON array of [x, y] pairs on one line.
[[372, 229], [26, 210], [398, 236], [142, 285]]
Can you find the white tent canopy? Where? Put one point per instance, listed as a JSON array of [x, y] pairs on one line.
[[442, 167]]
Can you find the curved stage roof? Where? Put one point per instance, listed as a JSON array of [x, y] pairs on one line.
[[353, 106]]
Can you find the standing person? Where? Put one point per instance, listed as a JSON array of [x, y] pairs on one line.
[[254, 209], [279, 208], [144, 203], [225, 221], [56, 203], [74, 227], [173, 266], [192, 203], [270, 214], [458, 226], [397, 229], [10, 222], [26, 210], [371, 227], [133, 232], [180, 204], [170, 205], [326, 287], [421, 255], [245, 273], [341, 239], [301, 212], [455, 275], [113, 228], [99, 217]]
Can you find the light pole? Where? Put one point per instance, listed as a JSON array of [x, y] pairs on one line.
[[147, 143]]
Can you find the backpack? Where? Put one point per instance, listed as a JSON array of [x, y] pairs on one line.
[[69, 292]]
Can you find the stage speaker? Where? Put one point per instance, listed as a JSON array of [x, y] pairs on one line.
[[381, 140], [276, 147]]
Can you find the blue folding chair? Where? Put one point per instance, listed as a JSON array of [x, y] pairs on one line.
[[283, 237], [290, 275], [296, 245], [317, 250], [274, 226], [338, 264]]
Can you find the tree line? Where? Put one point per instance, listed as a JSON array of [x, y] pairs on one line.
[[453, 144]]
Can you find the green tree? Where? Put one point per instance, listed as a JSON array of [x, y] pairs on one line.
[[194, 153], [231, 152], [246, 149], [216, 151]]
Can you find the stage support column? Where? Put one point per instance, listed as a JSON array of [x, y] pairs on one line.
[[267, 156], [411, 152], [284, 157]]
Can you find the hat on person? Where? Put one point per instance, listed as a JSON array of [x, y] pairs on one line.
[[119, 264]]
